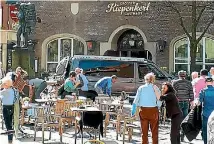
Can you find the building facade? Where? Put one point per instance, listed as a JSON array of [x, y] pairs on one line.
[[8, 34], [139, 29]]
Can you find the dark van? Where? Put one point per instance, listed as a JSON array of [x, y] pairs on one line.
[[130, 71]]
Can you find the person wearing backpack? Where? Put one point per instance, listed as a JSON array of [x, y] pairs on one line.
[[8, 97]]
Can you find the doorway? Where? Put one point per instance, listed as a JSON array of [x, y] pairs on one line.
[[131, 44]]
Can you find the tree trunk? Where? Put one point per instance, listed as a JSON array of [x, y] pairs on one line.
[[193, 39], [193, 48]]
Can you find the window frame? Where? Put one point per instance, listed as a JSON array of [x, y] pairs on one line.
[[150, 67], [59, 42], [188, 62]]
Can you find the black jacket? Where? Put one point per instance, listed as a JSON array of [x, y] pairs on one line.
[[172, 106]]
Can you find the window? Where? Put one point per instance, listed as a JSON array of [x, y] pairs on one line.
[[144, 69], [181, 54], [106, 68], [60, 48], [204, 54], [1, 18]]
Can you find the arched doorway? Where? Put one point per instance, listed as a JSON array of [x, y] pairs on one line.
[[128, 41], [131, 44]]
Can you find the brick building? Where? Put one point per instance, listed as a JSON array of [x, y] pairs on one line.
[[144, 29], [7, 33]]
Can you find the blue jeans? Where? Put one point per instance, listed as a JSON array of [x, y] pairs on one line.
[[184, 106], [204, 128]]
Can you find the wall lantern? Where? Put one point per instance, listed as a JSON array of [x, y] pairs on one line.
[[91, 45], [161, 45]]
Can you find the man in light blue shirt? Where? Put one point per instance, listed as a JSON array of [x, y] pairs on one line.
[[104, 85], [146, 97], [147, 100], [9, 96], [82, 78]]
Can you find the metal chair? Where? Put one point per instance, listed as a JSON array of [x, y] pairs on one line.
[[44, 117]]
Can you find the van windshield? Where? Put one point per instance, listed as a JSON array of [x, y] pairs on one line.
[[105, 68], [144, 69]]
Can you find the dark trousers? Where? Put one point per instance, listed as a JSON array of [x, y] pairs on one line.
[[40, 88], [65, 93], [204, 129], [8, 119], [88, 94], [184, 106], [175, 128], [149, 117]]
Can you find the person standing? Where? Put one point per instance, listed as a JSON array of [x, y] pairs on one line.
[[83, 81], [104, 85], [147, 100], [194, 77], [206, 98], [184, 93], [200, 83], [19, 72], [9, 96], [212, 72], [173, 111]]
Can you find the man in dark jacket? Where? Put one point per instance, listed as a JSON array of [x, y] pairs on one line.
[[184, 94]]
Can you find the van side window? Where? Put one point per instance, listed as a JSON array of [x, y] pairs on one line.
[[147, 68], [109, 68]]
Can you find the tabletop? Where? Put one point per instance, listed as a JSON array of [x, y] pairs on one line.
[[85, 109], [45, 100]]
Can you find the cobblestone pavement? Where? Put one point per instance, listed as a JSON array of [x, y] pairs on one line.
[[68, 137]]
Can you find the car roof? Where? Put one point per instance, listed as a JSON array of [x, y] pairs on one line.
[[88, 57]]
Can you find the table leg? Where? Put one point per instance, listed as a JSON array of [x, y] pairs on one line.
[[75, 139], [23, 116], [82, 126], [43, 130]]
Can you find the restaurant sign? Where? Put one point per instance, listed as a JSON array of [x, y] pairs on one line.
[[128, 8]]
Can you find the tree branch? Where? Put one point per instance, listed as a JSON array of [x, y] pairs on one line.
[[200, 14], [181, 20], [205, 30]]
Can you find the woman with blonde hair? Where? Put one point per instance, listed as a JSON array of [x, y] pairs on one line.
[[8, 96], [19, 72], [147, 99]]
